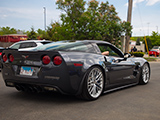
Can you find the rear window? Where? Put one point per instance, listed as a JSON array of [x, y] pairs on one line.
[[45, 42], [69, 46]]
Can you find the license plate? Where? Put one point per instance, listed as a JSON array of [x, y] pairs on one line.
[[26, 71]]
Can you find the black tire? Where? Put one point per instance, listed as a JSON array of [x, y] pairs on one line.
[[145, 74], [93, 84]]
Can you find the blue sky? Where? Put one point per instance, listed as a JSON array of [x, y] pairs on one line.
[[22, 15]]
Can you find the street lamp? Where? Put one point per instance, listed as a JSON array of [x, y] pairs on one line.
[[44, 18], [157, 29]]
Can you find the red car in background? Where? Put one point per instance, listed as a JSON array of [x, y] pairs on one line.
[[155, 51]]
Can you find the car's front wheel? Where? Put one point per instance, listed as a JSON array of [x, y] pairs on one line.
[[145, 74], [93, 84]]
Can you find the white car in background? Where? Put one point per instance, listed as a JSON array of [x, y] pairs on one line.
[[28, 44]]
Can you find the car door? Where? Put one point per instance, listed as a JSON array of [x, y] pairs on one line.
[[119, 70]]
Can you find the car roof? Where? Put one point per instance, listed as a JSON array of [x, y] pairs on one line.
[[96, 41], [2, 48], [33, 41], [87, 41]]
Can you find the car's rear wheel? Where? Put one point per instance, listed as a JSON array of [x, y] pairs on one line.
[[145, 74], [93, 84]]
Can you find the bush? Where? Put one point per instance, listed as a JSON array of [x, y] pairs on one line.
[[150, 59], [137, 54]]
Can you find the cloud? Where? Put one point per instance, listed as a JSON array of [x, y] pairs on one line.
[[148, 2], [135, 2], [32, 14], [19, 12], [24, 18], [152, 2]]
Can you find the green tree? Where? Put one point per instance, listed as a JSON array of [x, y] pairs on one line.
[[57, 32], [73, 11], [41, 34], [149, 43], [32, 35], [155, 38], [95, 21], [7, 30]]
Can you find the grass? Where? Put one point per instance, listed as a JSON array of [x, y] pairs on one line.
[[150, 59]]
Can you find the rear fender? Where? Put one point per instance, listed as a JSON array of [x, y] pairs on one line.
[[83, 79]]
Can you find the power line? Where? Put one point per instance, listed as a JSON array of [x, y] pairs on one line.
[[141, 19]]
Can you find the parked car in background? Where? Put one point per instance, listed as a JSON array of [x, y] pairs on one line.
[[28, 44], [1, 49], [155, 51], [75, 68], [156, 48]]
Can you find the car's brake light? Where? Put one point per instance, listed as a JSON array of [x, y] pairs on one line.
[[78, 64], [0, 53], [46, 59], [4, 58], [11, 58], [57, 60]]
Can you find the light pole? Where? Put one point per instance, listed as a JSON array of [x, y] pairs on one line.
[[44, 18], [157, 29]]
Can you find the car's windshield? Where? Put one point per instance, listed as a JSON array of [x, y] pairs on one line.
[[155, 47], [15, 46], [65, 46], [153, 50]]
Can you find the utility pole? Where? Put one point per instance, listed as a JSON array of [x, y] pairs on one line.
[[128, 20], [44, 18]]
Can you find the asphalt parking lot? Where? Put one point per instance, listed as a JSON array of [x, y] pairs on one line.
[[141, 102]]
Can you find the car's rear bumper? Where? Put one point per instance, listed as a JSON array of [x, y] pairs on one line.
[[33, 87], [54, 79]]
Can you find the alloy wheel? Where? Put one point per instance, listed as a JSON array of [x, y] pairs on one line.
[[145, 73], [95, 82]]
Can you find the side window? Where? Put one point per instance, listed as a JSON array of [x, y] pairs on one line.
[[112, 51], [28, 45]]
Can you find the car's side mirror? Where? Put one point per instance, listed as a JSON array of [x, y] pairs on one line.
[[127, 55]]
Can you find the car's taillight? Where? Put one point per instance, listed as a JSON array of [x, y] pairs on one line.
[[0, 53], [46, 59], [11, 58], [4, 58], [57, 60]]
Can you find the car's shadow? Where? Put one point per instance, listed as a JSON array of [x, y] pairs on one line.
[[49, 97], [54, 97]]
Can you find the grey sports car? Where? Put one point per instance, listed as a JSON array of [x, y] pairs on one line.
[[74, 68]]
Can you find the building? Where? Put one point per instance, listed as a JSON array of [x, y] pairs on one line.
[[7, 40], [140, 47]]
